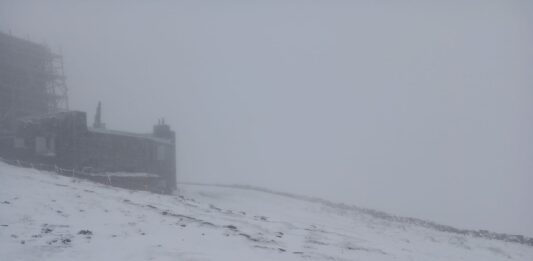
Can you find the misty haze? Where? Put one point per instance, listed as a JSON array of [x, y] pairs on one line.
[[266, 130]]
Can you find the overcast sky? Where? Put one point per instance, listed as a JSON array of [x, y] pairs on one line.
[[418, 108]]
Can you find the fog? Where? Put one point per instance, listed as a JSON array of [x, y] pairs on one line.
[[418, 108]]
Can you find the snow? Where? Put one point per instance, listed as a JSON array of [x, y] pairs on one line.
[[44, 216], [123, 174]]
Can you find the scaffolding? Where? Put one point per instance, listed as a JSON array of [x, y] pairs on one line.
[[56, 87], [32, 80]]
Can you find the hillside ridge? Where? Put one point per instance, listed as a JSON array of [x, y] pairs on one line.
[[481, 233]]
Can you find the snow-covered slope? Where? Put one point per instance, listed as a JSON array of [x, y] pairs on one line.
[[44, 216]]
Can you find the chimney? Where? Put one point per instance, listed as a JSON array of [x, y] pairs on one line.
[[162, 130], [98, 124]]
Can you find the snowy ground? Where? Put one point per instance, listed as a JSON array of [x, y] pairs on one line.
[[44, 216]]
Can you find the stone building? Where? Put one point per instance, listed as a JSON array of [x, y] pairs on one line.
[[36, 126]]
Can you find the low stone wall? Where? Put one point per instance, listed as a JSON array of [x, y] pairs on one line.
[[149, 182]]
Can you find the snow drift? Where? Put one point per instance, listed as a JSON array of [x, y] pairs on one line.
[[44, 216]]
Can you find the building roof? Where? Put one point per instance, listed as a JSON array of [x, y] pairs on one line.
[[49, 115], [63, 114], [131, 134]]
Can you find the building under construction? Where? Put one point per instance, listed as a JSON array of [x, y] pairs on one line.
[[32, 80], [37, 126]]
